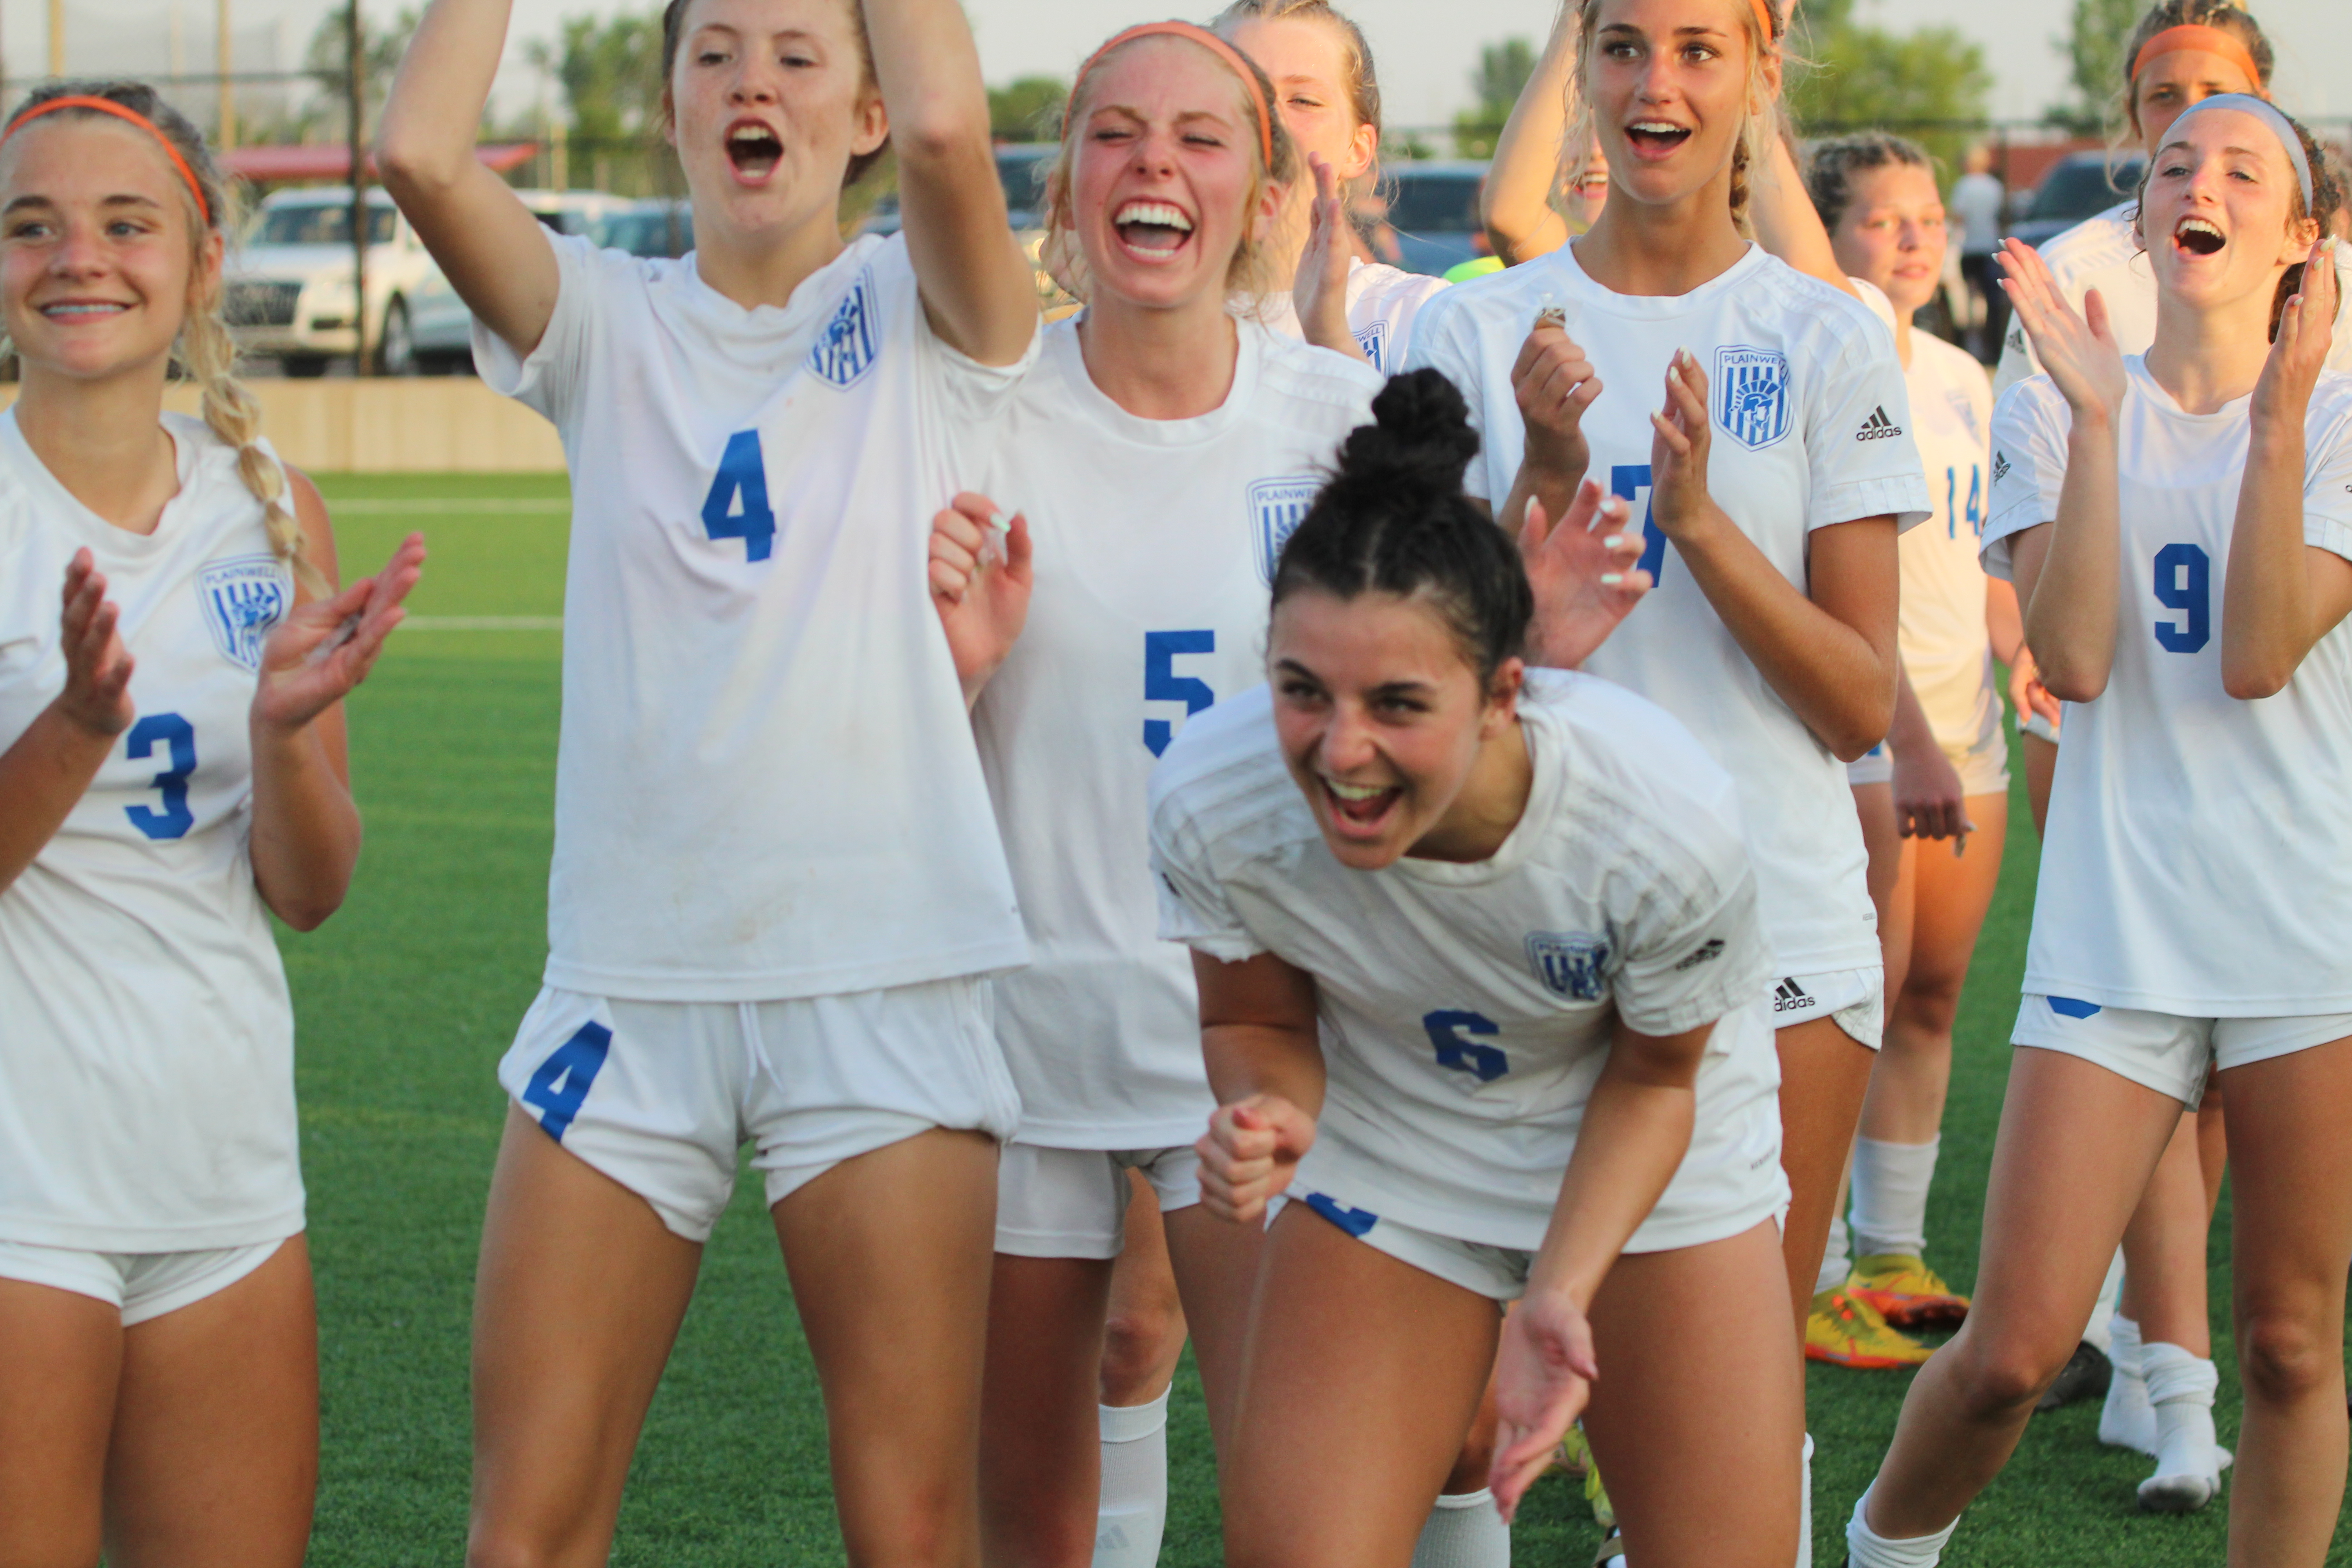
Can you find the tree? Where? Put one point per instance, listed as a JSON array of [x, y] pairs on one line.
[[1028, 110], [324, 60], [1503, 70], [1930, 84], [2094, 53], [610, 72]]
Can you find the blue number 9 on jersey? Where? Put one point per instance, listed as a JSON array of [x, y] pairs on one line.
[[742, 472], [2184, 582], [1446, 1028]]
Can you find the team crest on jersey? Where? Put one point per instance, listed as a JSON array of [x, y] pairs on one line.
[[1751, 395], [1277, 507], [1965, 408], [852, 341], [1374, 341], [243, 597], [1570, 963]]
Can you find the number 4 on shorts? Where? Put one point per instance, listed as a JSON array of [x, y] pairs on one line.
[[557, 1089]]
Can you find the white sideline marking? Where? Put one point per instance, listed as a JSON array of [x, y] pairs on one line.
[[482, 624], [445, 506]]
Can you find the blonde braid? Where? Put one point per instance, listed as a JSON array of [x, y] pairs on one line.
[[234, 415]]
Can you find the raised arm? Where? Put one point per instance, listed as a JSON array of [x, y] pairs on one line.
[[2282, 595], [493, 251], [1265, 1067], [978, 285], [1787, 223], [1514, 204]]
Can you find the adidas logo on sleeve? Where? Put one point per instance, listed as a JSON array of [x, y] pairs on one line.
[[2000, 467], [1791, 997], [1878, 426]]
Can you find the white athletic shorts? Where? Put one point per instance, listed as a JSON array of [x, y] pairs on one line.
[[660, 1095], [1072, 1203], [141, 1285], [1982, 762], [2163, 1051], [1854, 997], [1728, 1182]]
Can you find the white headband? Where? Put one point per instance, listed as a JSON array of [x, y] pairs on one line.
[[2268, 113]]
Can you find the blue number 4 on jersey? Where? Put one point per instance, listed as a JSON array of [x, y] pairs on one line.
[[742, 474]]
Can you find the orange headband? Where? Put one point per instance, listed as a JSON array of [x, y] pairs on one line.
[[1763, 19], [2204, 40], [108, 106], [1207, 40]]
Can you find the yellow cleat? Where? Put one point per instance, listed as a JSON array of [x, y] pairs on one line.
[[1598, 1496], [1907, 1293], [1846, 1331], [1574, 1454]]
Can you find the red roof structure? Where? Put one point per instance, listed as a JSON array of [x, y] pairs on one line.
[[323, 160]]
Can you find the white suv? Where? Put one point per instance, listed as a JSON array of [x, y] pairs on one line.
[[440, 328], [289, 289]]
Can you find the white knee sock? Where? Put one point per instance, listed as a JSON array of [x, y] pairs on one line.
[[1865, 1548], [1837, 1258], [1465, 1530], [2180, 1387], [1133, 1512], [1805, 1507], [1890, 1195], [2126, 1420]]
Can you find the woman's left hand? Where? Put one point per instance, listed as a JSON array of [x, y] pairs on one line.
[[1585, 572], [1544, 1372], [1929, 801], [1319, 293], [311, 662], [2306, 330], [1680, 439]]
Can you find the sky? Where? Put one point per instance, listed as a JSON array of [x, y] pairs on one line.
[[1426, 50]]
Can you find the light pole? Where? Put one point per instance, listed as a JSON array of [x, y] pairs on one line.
[[57, 37], [355, 82], [226, 64]]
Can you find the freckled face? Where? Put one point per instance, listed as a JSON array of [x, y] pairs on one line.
[[1894, 234]]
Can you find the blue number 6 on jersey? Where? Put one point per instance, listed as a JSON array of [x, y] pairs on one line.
[[561, 1084], [1163, 684], [1447, 1026], [2184, 582], [742, 471], [178, 737]]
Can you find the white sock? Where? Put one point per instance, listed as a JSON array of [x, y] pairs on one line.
[[1805, 1508], [1465, 1530], [1837, 1258], [2111, 1290], [2126, 1420], [1865, 1548], [2180, 1387], [1890, 1195], [1133, 1513]]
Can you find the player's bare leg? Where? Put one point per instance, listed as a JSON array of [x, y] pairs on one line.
[[1360, 1380], [577, 1302], [890, 1256], [1824, 1073], [60, 1355], [2292, 1217], [1040, 1440], [1143, 1337], [215, 1457], [1698, 1418], [1216, 1267], [2077, 1147]]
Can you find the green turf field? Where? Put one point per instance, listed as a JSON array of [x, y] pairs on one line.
[[407, 998]]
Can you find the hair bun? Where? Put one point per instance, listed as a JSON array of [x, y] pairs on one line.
[[1422, 441]]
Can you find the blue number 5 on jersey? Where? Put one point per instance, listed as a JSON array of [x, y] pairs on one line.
[[1163, 684], [742, 473], [178, 737]]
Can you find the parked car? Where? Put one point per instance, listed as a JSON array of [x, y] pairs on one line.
[[439, 328], [653, 228], [1433, 207], [1020, 168], [2079, 186], [289, 289]]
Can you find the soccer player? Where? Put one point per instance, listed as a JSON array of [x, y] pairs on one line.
[[2177, 525], [1482, 990], [1329, 99], [777, 887], [171, 755], [1939, 787], [1160, 454], [1770, 487]]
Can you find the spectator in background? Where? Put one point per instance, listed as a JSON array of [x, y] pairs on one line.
[[1976, 203]]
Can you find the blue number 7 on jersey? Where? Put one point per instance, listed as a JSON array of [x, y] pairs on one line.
[[561, 1085], [1629, 481], [742, 471]]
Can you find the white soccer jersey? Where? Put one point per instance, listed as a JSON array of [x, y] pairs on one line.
[[1382, 302], [2198, 857], [2103, 253], [146, 1041], [1812, 427], [1155, 544], [1947, 651], [766, 786], [1466, 1010]]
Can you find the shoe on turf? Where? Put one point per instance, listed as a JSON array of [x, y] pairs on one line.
[[2086, 1376], [2178, 1494], [1846, 1331], [1907, 1293], [1597, 1495], [1574, 1454], [1612, 1548]]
